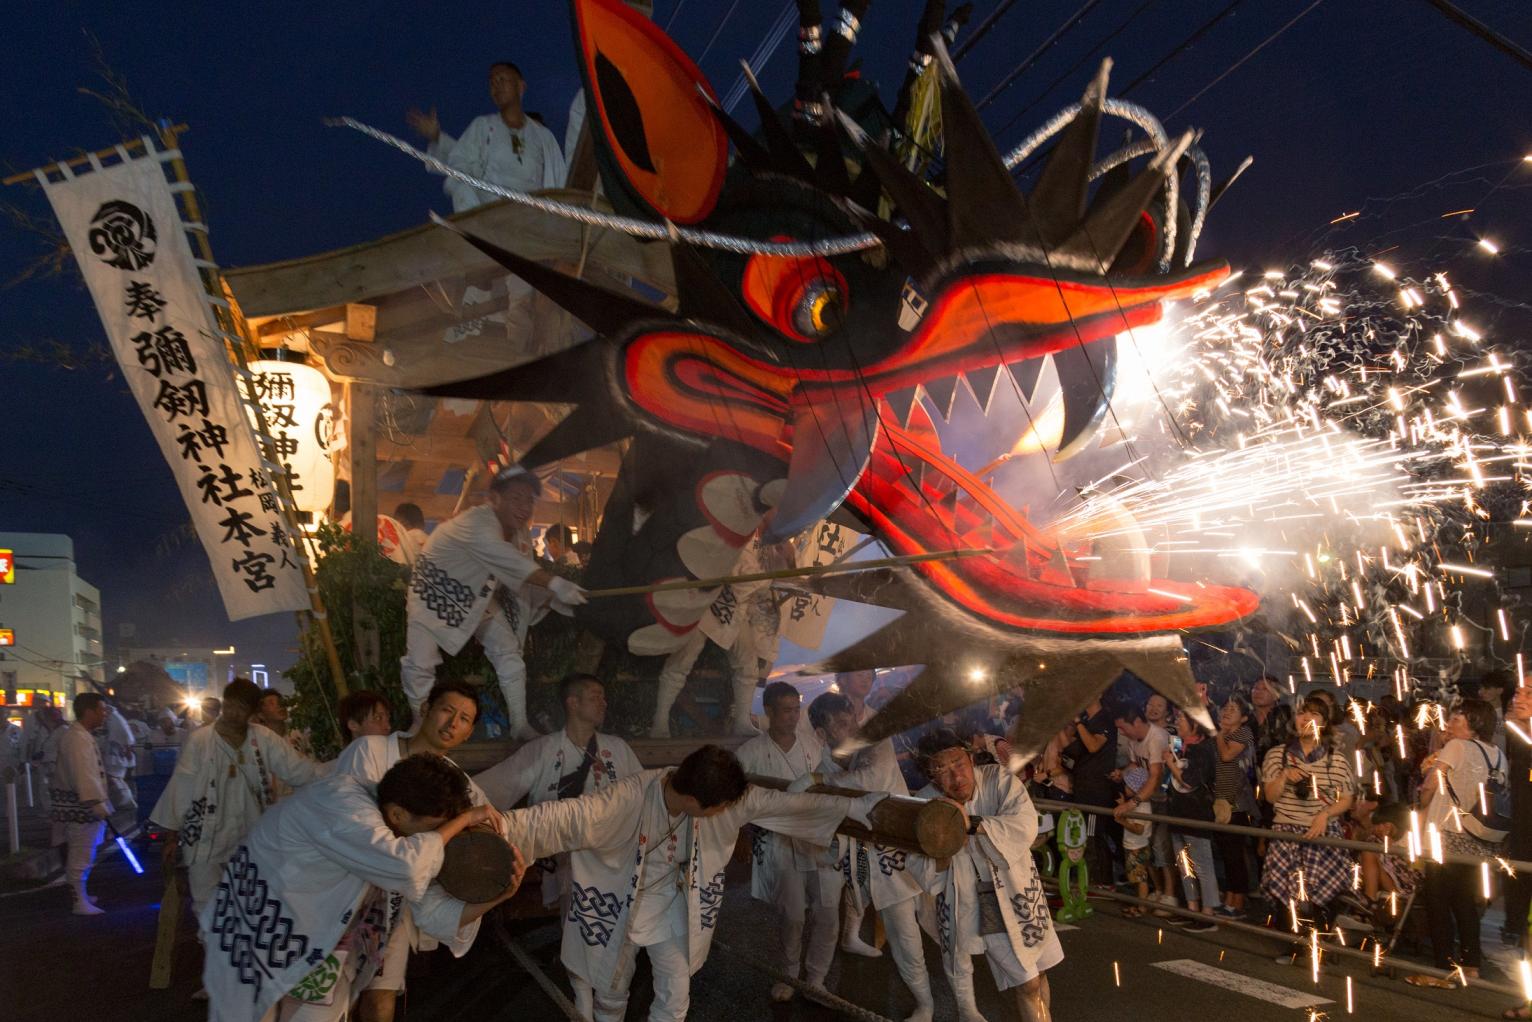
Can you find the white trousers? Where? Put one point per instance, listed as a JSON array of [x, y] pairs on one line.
[[202, 878], [417, 669], [903, 933], [678, 667], [798, 909], [672, 983], [84, 839]]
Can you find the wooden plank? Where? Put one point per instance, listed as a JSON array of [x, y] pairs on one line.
[[165, 934], [652, 753], [422, 254], [364, 452]]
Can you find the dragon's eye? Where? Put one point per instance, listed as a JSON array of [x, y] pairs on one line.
[[818, 310], [804, 298]]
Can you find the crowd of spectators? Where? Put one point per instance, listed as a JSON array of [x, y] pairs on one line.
[[1431, 781]]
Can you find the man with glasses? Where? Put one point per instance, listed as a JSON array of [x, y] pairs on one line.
[[989, 899]]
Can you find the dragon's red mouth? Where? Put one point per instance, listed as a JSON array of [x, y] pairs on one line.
[[920, 501]]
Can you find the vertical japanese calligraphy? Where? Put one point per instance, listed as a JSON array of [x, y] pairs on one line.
[[296, 401], [124, 228]]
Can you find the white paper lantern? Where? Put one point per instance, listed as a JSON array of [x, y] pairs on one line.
[[300, 413]]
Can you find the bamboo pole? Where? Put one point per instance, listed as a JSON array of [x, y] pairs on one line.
[[811, 571], [234, 327], [80, 161]]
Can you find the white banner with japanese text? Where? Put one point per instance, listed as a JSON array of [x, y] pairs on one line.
[[805, 615], [126, 233]]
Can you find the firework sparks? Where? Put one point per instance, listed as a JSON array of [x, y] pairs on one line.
[[1334, 434]]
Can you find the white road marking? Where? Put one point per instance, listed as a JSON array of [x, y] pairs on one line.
[[1059, 927], [1259, 989]]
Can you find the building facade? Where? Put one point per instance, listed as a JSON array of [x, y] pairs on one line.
[[50, 621]]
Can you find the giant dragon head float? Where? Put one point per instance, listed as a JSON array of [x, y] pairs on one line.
[[791, 382]]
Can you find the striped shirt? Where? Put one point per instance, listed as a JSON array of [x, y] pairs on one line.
[[1233, 779], [1296, 803]]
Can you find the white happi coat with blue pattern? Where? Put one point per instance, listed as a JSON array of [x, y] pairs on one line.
[[871, 872], [610, 832], [1003, 853], [292, 888], [455, 577]]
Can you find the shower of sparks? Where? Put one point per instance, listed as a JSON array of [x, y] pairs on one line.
[[1335, 436]]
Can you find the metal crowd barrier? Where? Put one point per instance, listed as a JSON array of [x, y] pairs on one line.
[[1375, 959], [1052, 805]]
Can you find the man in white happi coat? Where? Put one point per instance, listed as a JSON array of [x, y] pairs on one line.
[[309, 900], [573, 761], [116, 741], [225, 779], [78, 802], [989, 900], [451, 709], [785, 870], [476, 577], [870, 873], [647, 868], [505, 148], [40, 734]]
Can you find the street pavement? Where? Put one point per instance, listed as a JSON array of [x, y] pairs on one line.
[[56, 967]]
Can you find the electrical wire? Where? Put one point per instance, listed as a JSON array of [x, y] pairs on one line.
[[1032, 58], [982, 29], [1452, 12], [1075, 67], [1240, 62]]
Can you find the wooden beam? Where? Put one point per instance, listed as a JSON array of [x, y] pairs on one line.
[[423, 254], [364, 452]]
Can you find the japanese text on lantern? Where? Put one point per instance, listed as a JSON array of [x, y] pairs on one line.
[[7, 568]]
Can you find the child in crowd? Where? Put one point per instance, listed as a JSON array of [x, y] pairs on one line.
[[1135, 843]]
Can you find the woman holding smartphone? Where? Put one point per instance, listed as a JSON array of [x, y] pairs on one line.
[[1310, 786]]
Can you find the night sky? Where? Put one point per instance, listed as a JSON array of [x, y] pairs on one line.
[[1378, 106]]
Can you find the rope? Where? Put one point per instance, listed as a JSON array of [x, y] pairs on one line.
[[535, 971], [734, 243], [627, 225], [814, 993]]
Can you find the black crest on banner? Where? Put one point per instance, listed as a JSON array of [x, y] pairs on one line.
[[122, 235]]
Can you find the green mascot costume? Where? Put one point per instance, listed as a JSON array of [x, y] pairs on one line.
[[1073, 874]]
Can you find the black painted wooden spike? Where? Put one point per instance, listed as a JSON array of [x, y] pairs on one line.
[[751, 153], [924, 209], [984, 208], [867, 189], [982, 383], [567, 377], [901, 401], [786, 158], [829, 161], [1111, 219], [703, 296], [606, 312], [1025, 374], [589, 426], [1218, 190], [1087, 377], [1057, 203], [942, 390], [906, 248]]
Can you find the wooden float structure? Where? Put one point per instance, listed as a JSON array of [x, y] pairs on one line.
[[418, 307]]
